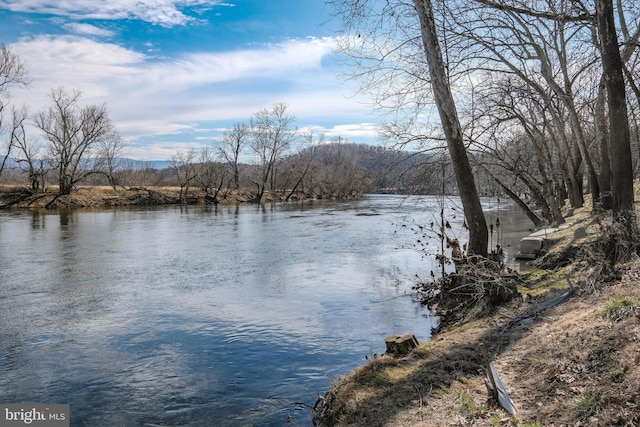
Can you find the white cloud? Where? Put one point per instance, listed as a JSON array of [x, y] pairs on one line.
[[75, 62], [149, 98], [162, 12], [355, 130], [69, 59], [161, 150], [278, 60], [88, 29], [347, 132]]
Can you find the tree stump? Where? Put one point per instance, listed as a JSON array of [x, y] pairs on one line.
[[401, 344]]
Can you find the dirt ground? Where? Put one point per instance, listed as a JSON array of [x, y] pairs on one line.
[[575, 364]]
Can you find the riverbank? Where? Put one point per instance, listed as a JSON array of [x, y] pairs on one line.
[[103, 196], [575, 364]]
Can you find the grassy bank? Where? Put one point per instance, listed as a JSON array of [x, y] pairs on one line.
[[576, 364], [103, 196]]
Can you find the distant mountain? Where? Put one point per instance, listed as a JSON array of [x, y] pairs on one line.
[[159, 164], [153, 164], [11, 163]]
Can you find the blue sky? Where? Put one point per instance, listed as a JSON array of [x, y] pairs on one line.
[[175, 73]]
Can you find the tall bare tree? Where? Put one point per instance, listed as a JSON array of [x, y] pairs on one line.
[[186, 170], [271, 137], [620, 141], [552, 58], [230, 145], [394, 49], [211, 176], [600, 24], [109, 161], [301, 162], [29, 152], [12, 73], [478, 233], [77, 136]]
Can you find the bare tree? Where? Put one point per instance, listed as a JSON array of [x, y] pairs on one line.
[[137, 174], [478, 233], [568, 19], [186, 170], [513, 134], [301, 163], [230, 146], [619, 144], [271, 137], [29, 152], [553, 59], [395, 52], [12, 73], [109, 161], [211, 176], [76, 137]]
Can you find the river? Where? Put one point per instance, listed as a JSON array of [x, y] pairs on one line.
[[209, 316]]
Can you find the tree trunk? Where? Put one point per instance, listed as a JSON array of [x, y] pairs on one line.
[[65, 184], [576, 177], [602, 135], [236, 177], [620, 140], [259, 192], [548, 193], [537, 221], [478, 234]]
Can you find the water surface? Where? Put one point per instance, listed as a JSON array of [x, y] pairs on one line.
[[194, 316]]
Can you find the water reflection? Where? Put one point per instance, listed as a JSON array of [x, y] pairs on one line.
[[228, 315], [37, 220]]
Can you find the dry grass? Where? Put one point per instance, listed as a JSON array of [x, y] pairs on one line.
[[573, 366], [86, 196], [104, 196], [387, 388]]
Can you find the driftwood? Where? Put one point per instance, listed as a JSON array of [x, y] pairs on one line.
[[402, 344]]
